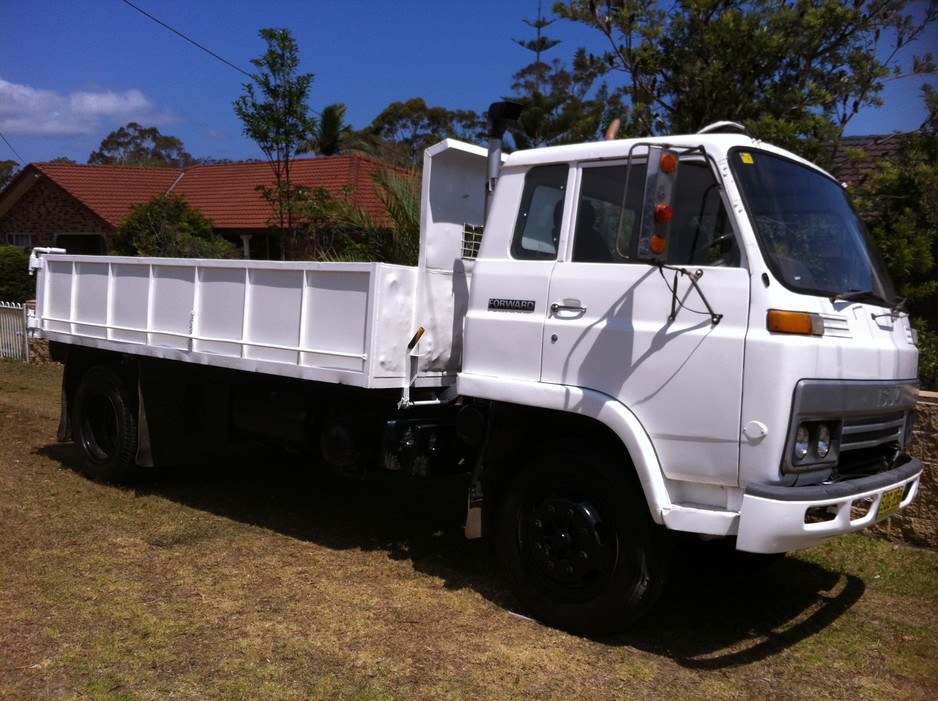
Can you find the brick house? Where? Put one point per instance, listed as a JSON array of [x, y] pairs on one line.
[[857, 156], [78, 207]]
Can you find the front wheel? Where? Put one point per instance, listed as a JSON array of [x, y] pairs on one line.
[[577, 544], [104, 425]]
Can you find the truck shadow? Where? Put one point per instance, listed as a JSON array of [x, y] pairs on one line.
[[717, 620], [705, 619]]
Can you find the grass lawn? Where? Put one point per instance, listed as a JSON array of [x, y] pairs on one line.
[[248, 575]]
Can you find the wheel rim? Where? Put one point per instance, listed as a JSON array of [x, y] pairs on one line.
[[100, 428], [569, 545]]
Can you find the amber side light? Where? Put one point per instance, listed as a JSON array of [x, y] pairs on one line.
[[805, 323], [667, 163]]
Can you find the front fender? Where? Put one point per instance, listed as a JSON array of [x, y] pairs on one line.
[[589, 403]]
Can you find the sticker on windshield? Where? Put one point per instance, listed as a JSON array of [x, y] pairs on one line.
[[746, 158]]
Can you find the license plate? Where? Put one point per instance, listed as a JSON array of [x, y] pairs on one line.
[[890, 503]]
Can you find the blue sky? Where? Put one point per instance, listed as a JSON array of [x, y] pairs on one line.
[[72, 71]]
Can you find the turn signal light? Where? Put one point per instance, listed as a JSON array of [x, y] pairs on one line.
[[805, 323]]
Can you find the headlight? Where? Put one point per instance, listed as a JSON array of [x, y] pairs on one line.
[[802, 442], [823, 440], [814, 445]]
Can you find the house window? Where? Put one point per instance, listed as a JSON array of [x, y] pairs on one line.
[[82, 243], [21, 240]]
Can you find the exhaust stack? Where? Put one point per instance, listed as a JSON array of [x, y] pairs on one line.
[[500, 114]]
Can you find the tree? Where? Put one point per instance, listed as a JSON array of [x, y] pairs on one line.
[[555, 108], [275, 115], [411, 126], [398, 241], [793, 71], [334, 227], [16, 284], [168, 226], [901, 194], [135, 145], [8, 171], [317, 212], [330, 134]]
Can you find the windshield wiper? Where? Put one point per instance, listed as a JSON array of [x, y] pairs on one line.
[[896, 305], [860, 296]]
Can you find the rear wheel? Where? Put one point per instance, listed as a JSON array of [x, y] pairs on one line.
[[577, 544], [104, 426]]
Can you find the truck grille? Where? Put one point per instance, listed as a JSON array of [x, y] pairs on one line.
[[871, 431], [870, 444]]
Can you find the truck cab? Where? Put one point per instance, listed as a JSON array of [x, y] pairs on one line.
[[713, 305]]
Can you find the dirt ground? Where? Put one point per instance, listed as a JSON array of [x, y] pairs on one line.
[[246, 575]]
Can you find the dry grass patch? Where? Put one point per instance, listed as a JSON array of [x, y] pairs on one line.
[[248, 576]]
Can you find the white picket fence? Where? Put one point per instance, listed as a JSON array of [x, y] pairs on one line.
[[13, 340]]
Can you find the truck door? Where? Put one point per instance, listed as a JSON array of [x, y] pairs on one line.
[[610, 325], [508, 297]]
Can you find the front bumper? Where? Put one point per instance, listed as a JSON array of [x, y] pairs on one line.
[[776, 519]]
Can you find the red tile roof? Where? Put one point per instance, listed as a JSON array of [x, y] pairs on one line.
[[226, 193], [110, 191], [848, 168]]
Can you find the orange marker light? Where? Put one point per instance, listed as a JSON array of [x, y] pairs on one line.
[[658, 244], [667, 163], [803, 323]]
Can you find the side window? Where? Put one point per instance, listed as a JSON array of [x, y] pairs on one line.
[[701, 233], [607, 216], [538, 226]]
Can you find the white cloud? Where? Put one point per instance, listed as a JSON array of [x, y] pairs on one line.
[[28, 111]]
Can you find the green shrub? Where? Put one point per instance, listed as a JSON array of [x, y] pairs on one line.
[[928, 359], [169, 226], [16, 284]]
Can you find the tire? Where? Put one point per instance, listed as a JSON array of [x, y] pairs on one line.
[[104, 425], [577, 544]]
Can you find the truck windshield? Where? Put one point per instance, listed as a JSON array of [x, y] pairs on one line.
[[811, 237]]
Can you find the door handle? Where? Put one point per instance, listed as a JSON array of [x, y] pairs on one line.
[[556, 308]]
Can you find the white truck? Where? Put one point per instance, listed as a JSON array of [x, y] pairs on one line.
[[616, 341]]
